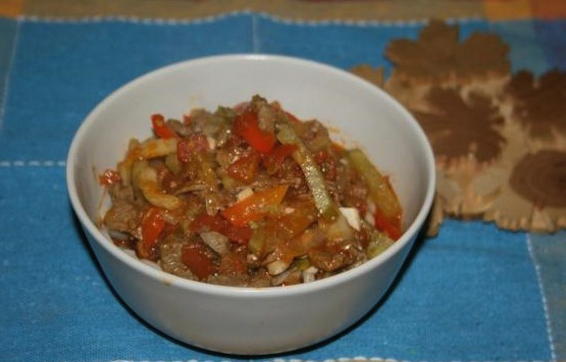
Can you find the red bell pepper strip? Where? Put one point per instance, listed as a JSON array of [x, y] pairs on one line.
[[254, 207], [389, 225], [152, 226], [160, 128], [246, 126]]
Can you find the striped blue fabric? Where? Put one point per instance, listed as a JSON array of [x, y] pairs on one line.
[[472, 293]]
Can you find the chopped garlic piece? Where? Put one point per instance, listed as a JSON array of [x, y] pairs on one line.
[[244, 194], [352, 215], [277, 267], [289, 210], [371, 207], [369, 218], [211, 142], [309, 274]]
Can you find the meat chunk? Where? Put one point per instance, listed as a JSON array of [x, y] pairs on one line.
[[170, 251], [327, 261], [335, 257], [123, 216]]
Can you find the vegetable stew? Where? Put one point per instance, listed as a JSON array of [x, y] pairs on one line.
[[249, 196]]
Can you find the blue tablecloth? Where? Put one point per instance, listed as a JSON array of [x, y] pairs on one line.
[[474, 292]]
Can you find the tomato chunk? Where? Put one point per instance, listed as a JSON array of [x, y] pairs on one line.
[[245, 168], [195, 257], [295, 222], [205, 222]]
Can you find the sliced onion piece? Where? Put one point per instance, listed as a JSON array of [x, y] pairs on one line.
[[280, 279], [352, 216], [216, 241], [118, 235]]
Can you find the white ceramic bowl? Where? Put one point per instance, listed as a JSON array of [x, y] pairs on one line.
[[247, 320]]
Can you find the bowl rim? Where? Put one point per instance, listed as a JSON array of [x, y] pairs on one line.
[[235, 291]]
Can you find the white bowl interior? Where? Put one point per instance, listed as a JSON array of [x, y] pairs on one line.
[[369, 119]]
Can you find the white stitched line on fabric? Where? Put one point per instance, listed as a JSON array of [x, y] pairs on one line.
[[33, 163], [209, 19], [543, 297], [128, 19], [9, 72]]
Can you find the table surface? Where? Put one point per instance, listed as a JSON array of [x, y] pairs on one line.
[[472, 293]]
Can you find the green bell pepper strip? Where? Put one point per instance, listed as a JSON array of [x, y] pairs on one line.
[[380, 190], [315, 180], [378, 243]]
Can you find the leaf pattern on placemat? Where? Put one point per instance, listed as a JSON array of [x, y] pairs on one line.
[[539, 105], [541, 178], [459, 128], [438, 55]]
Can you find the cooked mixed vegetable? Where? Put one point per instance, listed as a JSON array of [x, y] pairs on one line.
[[249, 196]]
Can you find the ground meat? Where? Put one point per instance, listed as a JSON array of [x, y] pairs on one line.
[[119, 192], [179, 127], [315, 136], [260, 279], [326, 260], [331, 258], [257, 279], [290, 173], [207, 123]]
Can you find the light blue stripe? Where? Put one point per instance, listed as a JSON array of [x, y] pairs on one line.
[[550, 255]]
